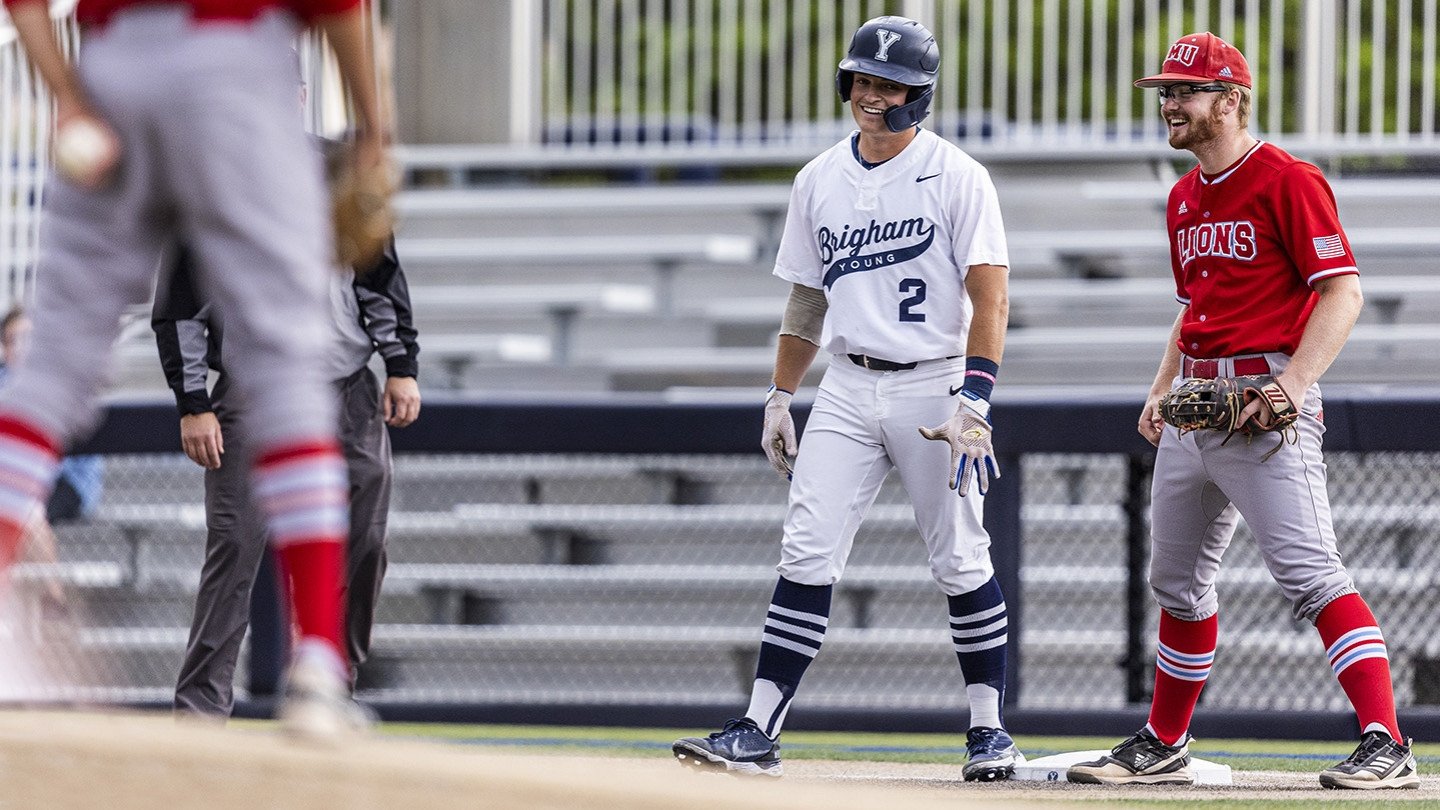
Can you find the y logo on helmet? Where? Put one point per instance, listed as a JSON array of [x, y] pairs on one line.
[[1184, 53], [887, 38]]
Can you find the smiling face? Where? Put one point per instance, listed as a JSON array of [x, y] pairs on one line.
[[870, 97], [1196, 121]]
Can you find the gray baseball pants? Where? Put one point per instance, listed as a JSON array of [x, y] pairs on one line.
[[215, 155], [1206, 480], [236, 540]]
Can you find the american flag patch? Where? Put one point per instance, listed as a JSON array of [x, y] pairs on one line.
[[1329, 247]]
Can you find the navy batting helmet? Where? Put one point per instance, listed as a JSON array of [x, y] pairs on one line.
[[898, 49]]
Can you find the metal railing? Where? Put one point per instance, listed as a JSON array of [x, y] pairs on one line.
[[25, 112], [1027, 74]]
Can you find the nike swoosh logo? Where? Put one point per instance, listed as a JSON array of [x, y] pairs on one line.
[[927, 177], [954, 391]]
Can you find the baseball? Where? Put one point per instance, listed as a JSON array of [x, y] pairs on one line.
[[83, 150]]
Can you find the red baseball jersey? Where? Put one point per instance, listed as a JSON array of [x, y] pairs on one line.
[[99, 11], [1247, 246]]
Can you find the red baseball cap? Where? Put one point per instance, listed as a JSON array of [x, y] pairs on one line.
[[1200, 58]]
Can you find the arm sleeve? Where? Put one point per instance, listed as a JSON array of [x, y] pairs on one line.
[[805, 313], [385, 312], [181, 327]]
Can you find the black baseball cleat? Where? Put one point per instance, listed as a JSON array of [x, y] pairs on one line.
[[991, 755], [1378, 763], [740, 747], [1140, 760]]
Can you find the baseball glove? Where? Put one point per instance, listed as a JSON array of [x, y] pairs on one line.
[[360, 208], [1200, 403]]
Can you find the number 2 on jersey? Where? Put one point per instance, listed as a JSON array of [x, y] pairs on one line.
[[918, 287]]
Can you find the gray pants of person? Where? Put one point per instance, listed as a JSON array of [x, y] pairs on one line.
[[236, 540], [214, 153]]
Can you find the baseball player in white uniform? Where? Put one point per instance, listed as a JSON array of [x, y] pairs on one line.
[[896, 252]]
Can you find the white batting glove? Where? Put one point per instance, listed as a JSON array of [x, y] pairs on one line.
[[778, 435], [971, 451]]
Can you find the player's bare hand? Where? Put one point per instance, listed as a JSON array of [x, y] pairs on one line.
[[1151, 425], [400, 402], [1259, 412], [778, 435], [87, 150], [201, 439], [972, 453]]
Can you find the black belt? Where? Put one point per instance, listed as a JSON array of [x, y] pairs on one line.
[[876, 364]]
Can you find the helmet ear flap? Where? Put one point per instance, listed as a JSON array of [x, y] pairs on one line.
[[844, 81], [911, 113]]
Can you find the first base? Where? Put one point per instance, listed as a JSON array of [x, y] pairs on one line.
[[1053, 768]]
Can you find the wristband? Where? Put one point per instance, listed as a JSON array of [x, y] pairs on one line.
[[980, 376]]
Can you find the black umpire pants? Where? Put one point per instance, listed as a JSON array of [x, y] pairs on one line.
[[236, 541]]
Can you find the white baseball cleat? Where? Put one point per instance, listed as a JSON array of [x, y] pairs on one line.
[[1142, 760], [1379, 763], [316, 706]]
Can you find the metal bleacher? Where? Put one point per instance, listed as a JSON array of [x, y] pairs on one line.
[[716, 308], [627, 580]]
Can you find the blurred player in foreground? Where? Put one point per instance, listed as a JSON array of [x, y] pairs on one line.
[[1267, 286], [896, 252], [178, 123]]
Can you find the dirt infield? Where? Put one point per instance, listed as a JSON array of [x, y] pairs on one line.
[[58, 761], [62, 760], [1250, 785]]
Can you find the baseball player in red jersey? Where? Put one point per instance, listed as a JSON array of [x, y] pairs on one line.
[[1267, 286], [186, 128], [896, 253]]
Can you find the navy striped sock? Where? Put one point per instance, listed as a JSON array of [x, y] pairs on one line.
[[794, 630], [980, 629]]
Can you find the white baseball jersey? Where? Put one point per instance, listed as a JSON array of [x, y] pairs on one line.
[[891, 246]]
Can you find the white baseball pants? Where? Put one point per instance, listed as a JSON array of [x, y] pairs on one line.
[[863, 424]]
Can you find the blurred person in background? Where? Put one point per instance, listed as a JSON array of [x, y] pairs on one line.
[[78, 487], [370, 314]]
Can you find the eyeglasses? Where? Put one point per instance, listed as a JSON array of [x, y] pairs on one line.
[[1184, 92]]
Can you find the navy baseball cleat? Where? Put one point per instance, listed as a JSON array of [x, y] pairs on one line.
[[1378, 763], [1142, 760], [991, 755], [740, 747]]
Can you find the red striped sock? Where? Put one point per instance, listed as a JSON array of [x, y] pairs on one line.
[[29, 459], [1360, 661], [1182, 663], [303, 488]]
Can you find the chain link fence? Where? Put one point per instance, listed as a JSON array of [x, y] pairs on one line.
[[559, 579]]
